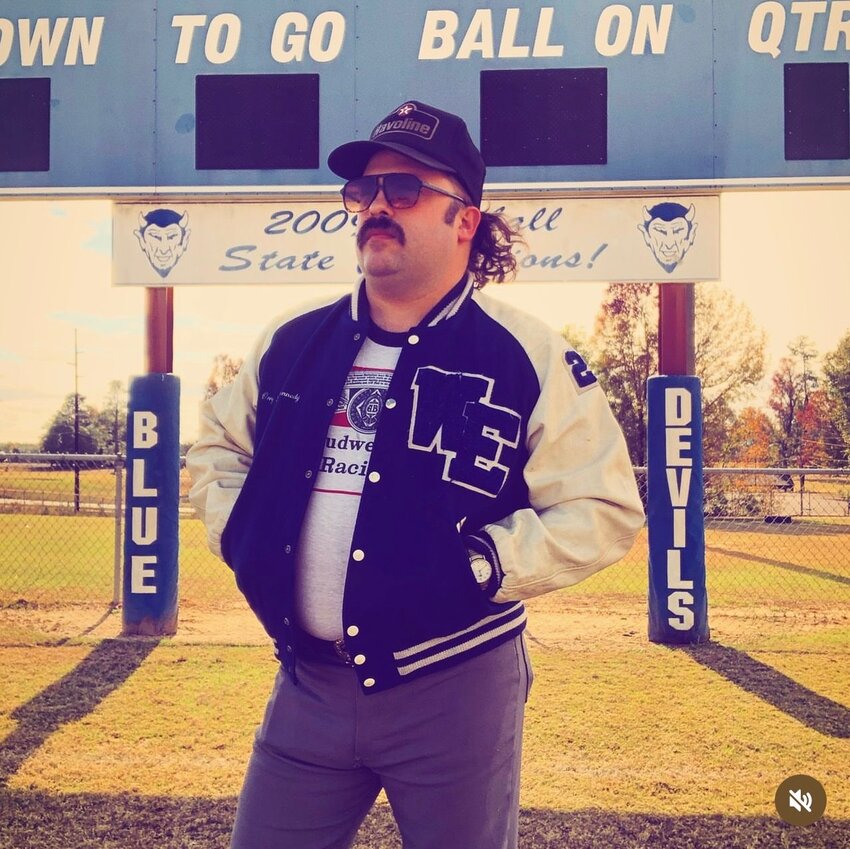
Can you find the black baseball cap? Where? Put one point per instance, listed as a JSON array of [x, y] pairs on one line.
[[429, 135]]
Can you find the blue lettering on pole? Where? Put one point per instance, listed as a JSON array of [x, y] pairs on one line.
[[151, 511], [678, 603], [678, 417], [143, 518]]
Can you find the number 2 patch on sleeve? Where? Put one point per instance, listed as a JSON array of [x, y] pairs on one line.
[[579, 370]]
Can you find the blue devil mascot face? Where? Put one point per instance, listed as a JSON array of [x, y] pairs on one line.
[[163, 236], [669, 232]]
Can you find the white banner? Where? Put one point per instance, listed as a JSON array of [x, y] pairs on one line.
[[576, 240]]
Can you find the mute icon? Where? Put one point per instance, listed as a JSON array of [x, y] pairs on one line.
[[800, 800]]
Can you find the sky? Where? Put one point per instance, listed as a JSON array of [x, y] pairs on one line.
[[784, 255]]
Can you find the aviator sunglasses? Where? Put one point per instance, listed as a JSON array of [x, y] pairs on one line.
[[400, 190]]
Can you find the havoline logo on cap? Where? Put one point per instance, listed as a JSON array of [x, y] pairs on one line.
[[408, 118]]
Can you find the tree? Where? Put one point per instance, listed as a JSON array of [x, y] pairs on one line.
[[792, 384], [224, 371], [577, 338], [60, 437], [111, 421], [836, 370], [624, 349], [785, 401], [821, 444], [730, 363], [752, 439], [804, 350], [729, 360]]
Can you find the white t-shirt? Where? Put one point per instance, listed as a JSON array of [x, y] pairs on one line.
[[325, 543]]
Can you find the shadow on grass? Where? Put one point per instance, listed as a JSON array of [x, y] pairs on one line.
[[71, 698], [791, 567], [812, 709], [34, 819]]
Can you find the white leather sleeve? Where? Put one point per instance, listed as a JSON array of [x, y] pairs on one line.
[[585, 508], [219, 461]]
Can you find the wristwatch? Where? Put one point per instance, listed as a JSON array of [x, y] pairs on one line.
[[482, 569]]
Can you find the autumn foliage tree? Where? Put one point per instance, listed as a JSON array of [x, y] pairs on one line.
[[836, 371], [791, 385], [624, 354], [752, 439], [730, 363], [786, 400], [821, 444], [729, 353], [808, 419]]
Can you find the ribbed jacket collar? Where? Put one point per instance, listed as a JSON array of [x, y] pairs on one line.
[[448, 306]]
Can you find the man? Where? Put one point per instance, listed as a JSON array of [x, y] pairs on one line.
[[389, 476]]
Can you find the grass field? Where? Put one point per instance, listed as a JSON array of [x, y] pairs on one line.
[[108, 742], [122, 742]]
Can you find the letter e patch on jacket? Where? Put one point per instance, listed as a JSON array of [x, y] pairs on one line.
[[453, 416]]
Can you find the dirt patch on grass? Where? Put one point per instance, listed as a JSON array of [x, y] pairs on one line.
[[555, 621], [33, 624]]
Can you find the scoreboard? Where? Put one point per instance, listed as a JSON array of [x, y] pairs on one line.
[[194, 97]]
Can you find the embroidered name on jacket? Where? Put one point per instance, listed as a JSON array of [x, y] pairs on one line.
[[453, 416]]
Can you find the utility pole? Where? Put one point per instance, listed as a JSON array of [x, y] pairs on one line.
[[76, 424], [676, 347]]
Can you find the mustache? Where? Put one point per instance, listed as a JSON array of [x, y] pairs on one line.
[[380, 223]]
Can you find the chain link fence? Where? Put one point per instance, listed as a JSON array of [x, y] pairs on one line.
[[776, 539]]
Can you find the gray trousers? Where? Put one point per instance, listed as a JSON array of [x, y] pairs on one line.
[[446, 749]]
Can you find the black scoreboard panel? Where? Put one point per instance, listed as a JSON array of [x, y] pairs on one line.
[[25, 124], [551, 116], [817, 124], [256, 121]]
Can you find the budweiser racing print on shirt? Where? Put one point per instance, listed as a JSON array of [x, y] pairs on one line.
[[332, 512], [348, 444]]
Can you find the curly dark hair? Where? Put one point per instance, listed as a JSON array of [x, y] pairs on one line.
[[492, 256]]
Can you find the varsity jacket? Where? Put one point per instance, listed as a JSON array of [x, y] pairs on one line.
[[493, 436]]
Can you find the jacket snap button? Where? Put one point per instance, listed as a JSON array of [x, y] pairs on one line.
[[308, 474], [330, 402], [287, 549], [369, 682], [391, 402], [374, 477], [413, 339], [360, 659], [352, 630], [358, 554]]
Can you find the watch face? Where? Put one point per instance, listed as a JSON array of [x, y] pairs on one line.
[[482, 569]]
